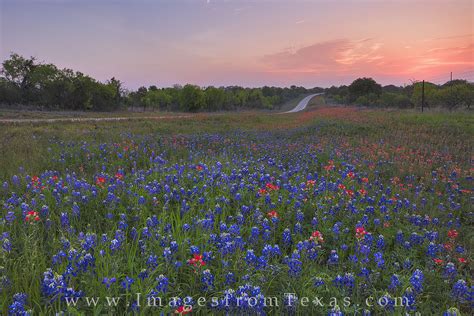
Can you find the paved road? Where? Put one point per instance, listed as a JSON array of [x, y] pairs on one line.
[[303, 103], [91, 119]]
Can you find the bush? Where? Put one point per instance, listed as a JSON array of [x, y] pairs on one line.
[[9, 93], [370, 99], [395, 100]]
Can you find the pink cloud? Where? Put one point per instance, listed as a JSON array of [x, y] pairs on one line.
[[315, 58], [332, 56], [370, 57]]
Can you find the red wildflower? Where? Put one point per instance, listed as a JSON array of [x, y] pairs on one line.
[[341, 186], [35, 181], [100, 181], [350, 193], [329, 166], [351, 175], [360, 232], [262, 191], [272, 214], [365, 180], [119, 176], [362, 192], [272, 187], [32, 216], [196, 260], [199, 168], [462, 260], [448, 246], [310, 183], [438, 261], [183, 310], [317, 236], [453, 234]]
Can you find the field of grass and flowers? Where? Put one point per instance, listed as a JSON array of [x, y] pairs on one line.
[[351, 211]]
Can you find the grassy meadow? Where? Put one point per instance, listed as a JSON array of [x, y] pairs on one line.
[[331, 202]]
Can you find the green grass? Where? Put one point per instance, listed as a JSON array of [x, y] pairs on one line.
[[26, 145], [401, 142]]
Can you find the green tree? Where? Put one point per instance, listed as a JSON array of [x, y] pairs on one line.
[[17, 70], [157, 99], [431, 94], [363, 87], [459, 94], [118, 89], [191, 98], [214, 98]]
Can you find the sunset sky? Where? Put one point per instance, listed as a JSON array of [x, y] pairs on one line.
[[248, 43]]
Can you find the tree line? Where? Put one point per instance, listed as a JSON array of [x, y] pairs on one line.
[[25, 81], [367, 92]]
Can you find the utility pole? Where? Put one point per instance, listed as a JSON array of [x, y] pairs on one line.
[[422, 95]]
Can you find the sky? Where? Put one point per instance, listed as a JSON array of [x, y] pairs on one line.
[[247, 43]]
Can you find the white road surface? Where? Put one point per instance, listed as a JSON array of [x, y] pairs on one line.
[[303, 103]]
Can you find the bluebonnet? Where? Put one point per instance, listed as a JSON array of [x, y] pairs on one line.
[[207, 279], [335, 311], [167, 254], [108, 281], [162, 286], [152, 261], [387, 302], [10, 217], [55, 286], [460, 291], [318, 282], [6, 245], [450, 270], [143, 274], [115, 245], [64, 220], [333, 257], [365, 272], [127, 282], [416, 280], [18, 306], [394, 282], [194, 250], [286, 237], [410, 296], [229, 278], [254, 234], [379, 260], [432, 250], [381, 242], [295, 265], [250, 257]]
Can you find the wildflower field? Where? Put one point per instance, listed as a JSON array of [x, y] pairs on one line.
[[333, 211]]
